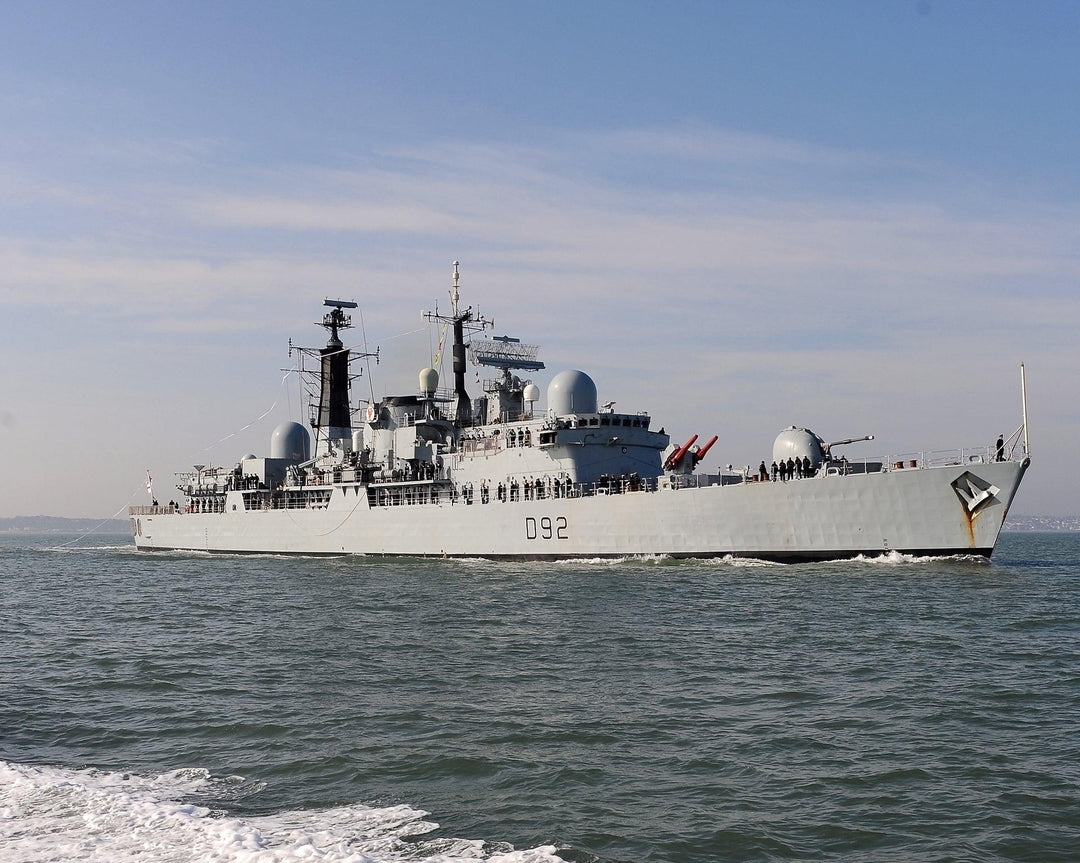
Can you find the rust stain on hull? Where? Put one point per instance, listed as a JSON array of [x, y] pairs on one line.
[[969, 523]]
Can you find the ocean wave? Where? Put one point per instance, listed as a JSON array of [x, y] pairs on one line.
[[72, 548], [53, 814]]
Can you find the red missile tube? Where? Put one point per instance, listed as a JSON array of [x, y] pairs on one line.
[[700, 454], [677, 456]]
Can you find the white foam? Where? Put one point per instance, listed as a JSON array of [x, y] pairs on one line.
[[894, 558], [748, 562], [52, 814]]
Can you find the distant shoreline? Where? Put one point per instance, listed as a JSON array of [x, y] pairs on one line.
[[1041, 523], [56, 524]]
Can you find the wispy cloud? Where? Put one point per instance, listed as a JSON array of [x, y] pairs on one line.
[[547, 220], [526, 203], [298, 214]]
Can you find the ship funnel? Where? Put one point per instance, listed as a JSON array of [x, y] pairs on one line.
[[333, 418]]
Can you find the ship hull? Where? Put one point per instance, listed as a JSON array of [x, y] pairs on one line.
[[946, 510]]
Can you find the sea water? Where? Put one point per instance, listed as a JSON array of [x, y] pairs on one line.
[[183, 707]]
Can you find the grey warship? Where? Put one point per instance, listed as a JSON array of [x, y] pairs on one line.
[[437, 472]]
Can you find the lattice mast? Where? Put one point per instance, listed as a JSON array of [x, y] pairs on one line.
[[460, 321]]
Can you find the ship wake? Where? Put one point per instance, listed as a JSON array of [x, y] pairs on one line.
[[57, 814]]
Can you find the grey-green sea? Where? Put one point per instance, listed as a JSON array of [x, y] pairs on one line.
[[183, 707]]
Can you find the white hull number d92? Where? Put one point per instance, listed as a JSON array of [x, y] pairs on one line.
[[546, 528]]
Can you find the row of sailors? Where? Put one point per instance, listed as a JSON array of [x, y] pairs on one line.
[[543, 487], [537, 489], [782, 470], [522, 438], [200, 504], [530, 489]]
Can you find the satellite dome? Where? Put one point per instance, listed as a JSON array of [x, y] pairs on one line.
[[531, 393], [290, 440], [429, 381], [571, 392], [799, 443]]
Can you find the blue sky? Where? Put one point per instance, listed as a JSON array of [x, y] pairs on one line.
[[858, 217]]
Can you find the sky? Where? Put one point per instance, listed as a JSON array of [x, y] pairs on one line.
[[859, 218]]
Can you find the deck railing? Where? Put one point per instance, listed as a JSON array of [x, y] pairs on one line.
[[153, 510]]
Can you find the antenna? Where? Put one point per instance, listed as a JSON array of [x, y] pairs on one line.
[[455, 293], [460, 321], [503, 352], [336, 319], [1023, 406]]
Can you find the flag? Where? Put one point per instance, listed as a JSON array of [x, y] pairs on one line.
[[149, 484]]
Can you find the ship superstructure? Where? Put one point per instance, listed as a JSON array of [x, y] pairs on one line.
[[439, 472]]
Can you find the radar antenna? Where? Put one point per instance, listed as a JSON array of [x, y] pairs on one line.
[[336, 319], [503, 352], [506, 353]]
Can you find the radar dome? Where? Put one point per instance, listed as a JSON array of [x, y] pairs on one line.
[[531, 393], [571, 392], [429, 381], [290, 440], [799, 443]]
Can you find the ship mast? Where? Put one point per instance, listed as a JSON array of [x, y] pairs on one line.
[[460, 320], [331, 416]]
